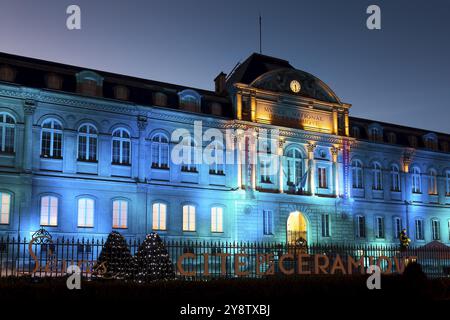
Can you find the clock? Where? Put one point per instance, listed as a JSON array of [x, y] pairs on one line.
[[295, 86]]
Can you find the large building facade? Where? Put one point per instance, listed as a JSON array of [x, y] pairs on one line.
[[86, 152]]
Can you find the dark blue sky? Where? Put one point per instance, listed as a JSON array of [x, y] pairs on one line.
[[399, 74]]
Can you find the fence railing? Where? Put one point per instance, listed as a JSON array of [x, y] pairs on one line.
[[211, 259]]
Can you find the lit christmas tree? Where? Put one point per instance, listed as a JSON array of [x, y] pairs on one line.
[[115, 260], [152, 261]]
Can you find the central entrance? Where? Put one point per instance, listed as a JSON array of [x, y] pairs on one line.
[[297, 228]]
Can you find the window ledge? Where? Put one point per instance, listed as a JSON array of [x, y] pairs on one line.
[[121, 164]]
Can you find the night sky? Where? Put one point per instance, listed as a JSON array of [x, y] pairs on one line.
[[400, 74]]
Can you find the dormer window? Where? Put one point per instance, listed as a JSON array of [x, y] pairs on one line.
[[356, 133], [375, 132], [431, 141], [54, 81], [392, 138], [444, 146], [216, 109], [190, 100], [89, 83], [121, 92], [412, 141], [159, 99], [7, 73]]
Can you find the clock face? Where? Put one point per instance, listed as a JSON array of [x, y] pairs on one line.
[[295, 86]]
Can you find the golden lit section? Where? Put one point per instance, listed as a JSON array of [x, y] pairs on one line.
[[296, 227]]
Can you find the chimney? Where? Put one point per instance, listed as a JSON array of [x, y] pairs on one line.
[[220, 83]]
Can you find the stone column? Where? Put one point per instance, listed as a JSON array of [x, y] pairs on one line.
[[334, 156], [346, 123], [29, 106], [280, 166], [238, 157], [253, 108], [335, 121], [311, 169], [142, 125]]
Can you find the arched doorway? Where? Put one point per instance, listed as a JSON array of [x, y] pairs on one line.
[[297, 228]]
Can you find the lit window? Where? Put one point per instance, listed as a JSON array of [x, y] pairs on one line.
[[325, 225], [419, 229], [395, 178], [360, 226], [432, 182], [268, 222], [436, 229], [160, 151], [397, 227], [159, 216], [416, 183], [357, 174], [51, 141], [217, 159], [322, 177], [294, 168], [379, 227], [7, 129], [121, 147], [216, 219], [120, 214], [85, 212], [5, 208], [87, 143], [188, 218], [377, 177], [49, 211]]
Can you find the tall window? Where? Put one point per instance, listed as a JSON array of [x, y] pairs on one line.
[[432, 182], [87, 143], [7, 128], [216, 219], [374, 134], [379, 227], [217, 154], [436, 229], [377, 177], [51, 141], [416, 183], [49, 211], [188, 218], [447, 178], [325, 225], [120, 214], [357, 174], [189, 148], [159, 216], [268, 222], [5, 208], [322, 177], [360, 226], [121, 152], [85, 212], [294, 166], [265, 161], [160, 151], [397, 227], [419, 229], [395, 178]]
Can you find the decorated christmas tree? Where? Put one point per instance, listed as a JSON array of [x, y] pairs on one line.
[[115, 260], [152, 261]]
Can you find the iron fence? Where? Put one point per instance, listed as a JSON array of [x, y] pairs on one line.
[[214, 259]]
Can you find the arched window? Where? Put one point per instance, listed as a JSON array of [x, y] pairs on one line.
[[216, 219], [357, 174], [7, 130], [121, 147], [159, 216], [87, 143], [51, 141], [395, 178], [188, 218], [5, 207], [49, 211], [447, 178], [190, 100], [86, 212], [392, 138], [436, 229], [217, 155], [416, 183], [160, 151], [374, 134], [294, 166], [432, 182], [377, 177], [120, 214]]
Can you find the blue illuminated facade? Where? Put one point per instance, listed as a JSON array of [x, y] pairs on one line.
[[85, 152]]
